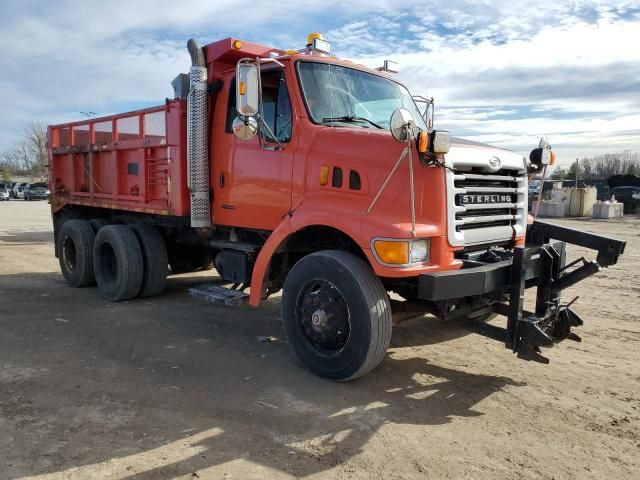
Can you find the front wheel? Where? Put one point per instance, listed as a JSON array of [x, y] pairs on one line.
[[336, 315]]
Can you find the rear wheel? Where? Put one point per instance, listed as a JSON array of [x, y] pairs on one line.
[[98, 223], [336, 315], [118, 263], [185, 259], [75, 253], [154, 252]]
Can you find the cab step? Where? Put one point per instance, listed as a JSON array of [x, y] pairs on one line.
[[215, 293]]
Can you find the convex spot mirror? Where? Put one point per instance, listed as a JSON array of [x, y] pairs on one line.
[[401, 124], [245, 128], [247, 89]]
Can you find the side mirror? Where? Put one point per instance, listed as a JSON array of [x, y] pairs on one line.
[[247, 89], [245, 128], [400, 124]]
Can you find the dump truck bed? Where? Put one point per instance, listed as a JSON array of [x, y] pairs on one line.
[[134, 161]]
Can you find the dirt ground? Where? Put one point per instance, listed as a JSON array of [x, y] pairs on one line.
[[175, 387]]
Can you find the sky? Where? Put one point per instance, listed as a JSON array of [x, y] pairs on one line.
[[505, 72]]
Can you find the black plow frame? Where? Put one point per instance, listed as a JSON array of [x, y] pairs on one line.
[[540, 264]]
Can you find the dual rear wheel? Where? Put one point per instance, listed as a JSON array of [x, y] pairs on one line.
[[125, 261]]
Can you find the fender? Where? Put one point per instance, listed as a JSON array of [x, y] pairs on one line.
[[297, 219], [349, 221]]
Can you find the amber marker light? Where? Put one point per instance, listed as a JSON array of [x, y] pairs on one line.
[[237, 44], [324, 175]]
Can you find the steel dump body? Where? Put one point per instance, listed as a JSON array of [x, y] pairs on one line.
[[134, 161]]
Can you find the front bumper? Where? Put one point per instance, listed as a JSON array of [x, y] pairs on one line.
[[474, 281]]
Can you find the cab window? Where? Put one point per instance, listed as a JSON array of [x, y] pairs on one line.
[[276, 106]]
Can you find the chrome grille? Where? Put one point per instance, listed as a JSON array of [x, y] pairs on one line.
[[487, 207]]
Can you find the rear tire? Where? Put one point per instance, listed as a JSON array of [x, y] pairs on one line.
[[98, 223], [118, 263], [185, 259], [336, 315], [156, 264], [75, 247]]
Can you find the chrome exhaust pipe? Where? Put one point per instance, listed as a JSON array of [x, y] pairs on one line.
[[197, 142]]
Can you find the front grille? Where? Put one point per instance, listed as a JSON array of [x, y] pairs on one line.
[[488, 207], [485, 200]]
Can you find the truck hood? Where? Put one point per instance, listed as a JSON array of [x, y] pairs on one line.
[[468, 154]]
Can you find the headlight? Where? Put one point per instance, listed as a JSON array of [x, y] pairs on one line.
[[441, 141], [401, 253], [636, 196]]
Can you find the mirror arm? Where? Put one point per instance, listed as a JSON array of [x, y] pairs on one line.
[[269, 131]]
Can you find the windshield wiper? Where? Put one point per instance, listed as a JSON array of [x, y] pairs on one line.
[[351, 119]]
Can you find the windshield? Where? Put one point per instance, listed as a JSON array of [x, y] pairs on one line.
[[334, 93]]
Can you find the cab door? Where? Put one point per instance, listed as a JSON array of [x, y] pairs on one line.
[[253, 187]]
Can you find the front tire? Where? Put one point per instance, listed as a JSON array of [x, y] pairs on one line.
[[336, 315], [118, 263], [75, 247]]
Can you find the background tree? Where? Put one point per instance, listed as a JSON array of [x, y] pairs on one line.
[[559, 174], [28, 155], [35, 140]]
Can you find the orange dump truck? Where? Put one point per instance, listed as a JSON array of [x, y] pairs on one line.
[[301, 172]]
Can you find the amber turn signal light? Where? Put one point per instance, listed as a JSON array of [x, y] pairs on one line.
[[392, 252]]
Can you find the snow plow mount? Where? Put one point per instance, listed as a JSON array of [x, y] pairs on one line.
[[551, 322], [495, 281]]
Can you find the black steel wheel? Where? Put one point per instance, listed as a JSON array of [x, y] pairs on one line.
[[336, 315], [75, 253]]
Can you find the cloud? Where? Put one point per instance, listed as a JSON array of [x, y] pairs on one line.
[[504, 71], [575, 80]]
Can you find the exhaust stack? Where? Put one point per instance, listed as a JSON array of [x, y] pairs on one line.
[[197, 151]]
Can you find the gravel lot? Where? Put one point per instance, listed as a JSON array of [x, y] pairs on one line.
[[174, 387]]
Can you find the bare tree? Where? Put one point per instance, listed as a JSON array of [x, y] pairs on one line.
[[35, 143], [604, 166]]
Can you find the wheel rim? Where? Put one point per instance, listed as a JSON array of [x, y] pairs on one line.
[[69, 253], [323, 317]]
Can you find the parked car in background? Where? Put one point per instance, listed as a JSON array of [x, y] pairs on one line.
[[36, 191], [4, 194], [629, 197], [18, 190]]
